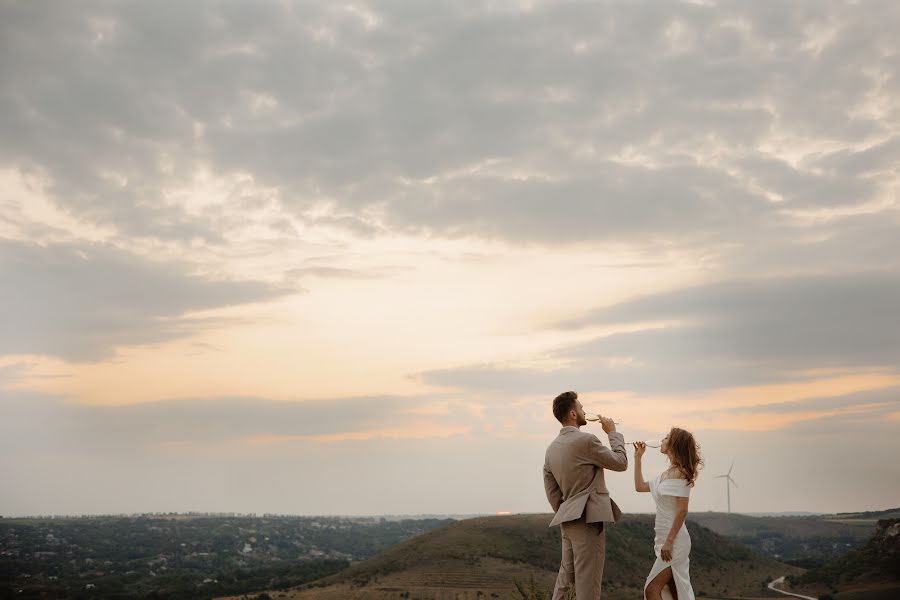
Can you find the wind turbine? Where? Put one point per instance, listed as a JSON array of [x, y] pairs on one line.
[[728, 482]]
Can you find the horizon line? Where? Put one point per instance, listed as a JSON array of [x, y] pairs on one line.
[[457, 516]]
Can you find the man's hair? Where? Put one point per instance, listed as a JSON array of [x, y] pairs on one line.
[[562, 404]]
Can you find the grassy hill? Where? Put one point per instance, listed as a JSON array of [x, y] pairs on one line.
[[481, 558], [873, 568]]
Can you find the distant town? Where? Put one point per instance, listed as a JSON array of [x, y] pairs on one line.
[[187, 554]]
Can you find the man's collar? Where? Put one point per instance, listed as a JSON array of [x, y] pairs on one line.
[[567, 429]]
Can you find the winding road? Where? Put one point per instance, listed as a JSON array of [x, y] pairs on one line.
[[780, 581]]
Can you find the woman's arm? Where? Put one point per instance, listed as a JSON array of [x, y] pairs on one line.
[[639, 484], [681, 513]]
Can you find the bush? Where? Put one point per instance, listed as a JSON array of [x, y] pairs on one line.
[[531, 591]]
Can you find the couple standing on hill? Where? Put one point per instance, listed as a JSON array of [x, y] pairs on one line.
[[576, 489]]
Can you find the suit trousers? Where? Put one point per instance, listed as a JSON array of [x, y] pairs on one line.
[[583, 556]]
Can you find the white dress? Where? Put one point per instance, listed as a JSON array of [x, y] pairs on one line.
[[664, 493]]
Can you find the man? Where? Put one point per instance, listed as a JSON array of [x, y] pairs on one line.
[[576, 489]]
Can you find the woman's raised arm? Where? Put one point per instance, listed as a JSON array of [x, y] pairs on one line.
[[639, 484]]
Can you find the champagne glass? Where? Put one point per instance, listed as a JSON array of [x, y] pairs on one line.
[[593, 416], [651, 443]]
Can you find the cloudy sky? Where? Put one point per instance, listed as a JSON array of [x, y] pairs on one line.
[[325, 258]]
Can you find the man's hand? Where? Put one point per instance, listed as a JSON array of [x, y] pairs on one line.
[[609, 425]]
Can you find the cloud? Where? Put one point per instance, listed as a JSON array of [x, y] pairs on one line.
[[876, 158], [322, 272], [853, 243], [39, 423], [553, 124], [9, 373], [806, 417], [880, 401], [614, 202], [718, 335], [803, 188], [80, 302]]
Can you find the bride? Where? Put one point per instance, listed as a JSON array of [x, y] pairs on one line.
[[670, 490]]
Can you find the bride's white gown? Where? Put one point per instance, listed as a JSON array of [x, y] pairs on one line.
[[665, 495]]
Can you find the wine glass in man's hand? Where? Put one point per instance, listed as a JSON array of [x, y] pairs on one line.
[[608, 424]]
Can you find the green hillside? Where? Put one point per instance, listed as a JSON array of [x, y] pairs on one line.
[[876, 562]]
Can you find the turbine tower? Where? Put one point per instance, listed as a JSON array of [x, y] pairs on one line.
[[728, 482]]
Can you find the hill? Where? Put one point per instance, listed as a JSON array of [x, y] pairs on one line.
[[812, 526], [806, 541], [865, 517], [875, 567], [482, 557]]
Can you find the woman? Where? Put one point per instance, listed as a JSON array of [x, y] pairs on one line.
[[670, 490]]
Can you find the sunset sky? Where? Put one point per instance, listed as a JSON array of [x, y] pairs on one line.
[[325, 258]]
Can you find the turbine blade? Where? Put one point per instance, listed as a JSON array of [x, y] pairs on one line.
[[731, 467], [733, 481]]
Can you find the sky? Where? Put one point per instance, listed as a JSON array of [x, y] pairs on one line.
[[339, 258]]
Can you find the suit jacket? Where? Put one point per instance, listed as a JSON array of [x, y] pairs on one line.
[[573, 475]]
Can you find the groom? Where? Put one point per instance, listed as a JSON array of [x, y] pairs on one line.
[[576, 489]]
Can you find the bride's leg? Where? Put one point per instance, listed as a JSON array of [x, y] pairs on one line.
[[654, 589], [673, 589]]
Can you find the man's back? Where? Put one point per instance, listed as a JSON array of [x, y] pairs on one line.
[[576, 488], [574, 475]]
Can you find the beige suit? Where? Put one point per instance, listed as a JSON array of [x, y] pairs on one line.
[[576, 488]]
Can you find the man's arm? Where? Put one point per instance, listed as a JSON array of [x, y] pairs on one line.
[[612, 458], [551, 487]]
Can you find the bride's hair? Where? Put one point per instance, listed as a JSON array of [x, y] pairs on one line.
[[684, 452]]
